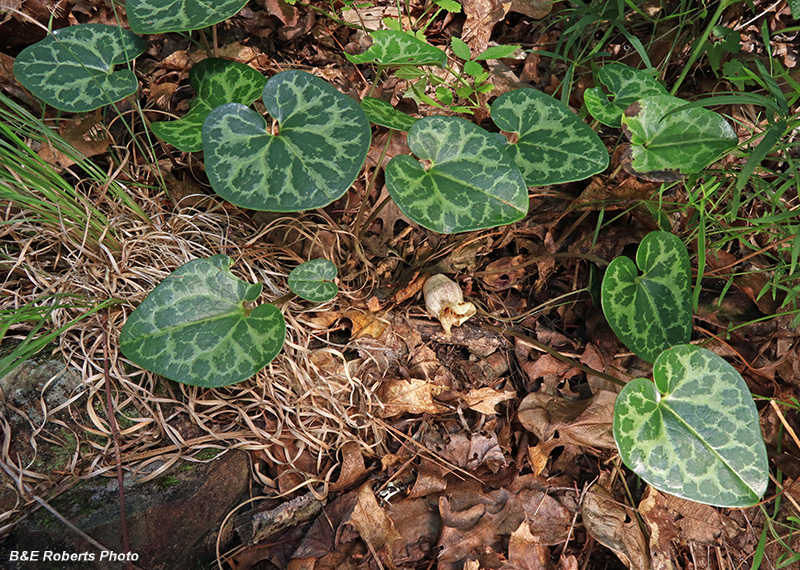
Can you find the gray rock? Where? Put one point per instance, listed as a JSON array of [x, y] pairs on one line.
[[172, 520]]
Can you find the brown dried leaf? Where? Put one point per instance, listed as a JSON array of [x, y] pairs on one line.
[[482, 15], [472, 521], [87, 137], [539, 454], [593, 358], [586, 423], [484, 400], [294, 465], [374, 525], [365, 324], [418, 526], [284, 11], [323, 536], [353, 468], [471, 452], [605, 520], [475, 521], [430, 479], [525, 552], [671, 519], [26, 22], [543, 366], [536, 9], [548, 519], [601, 193], [409, 396], [504, 273], [568, 563], [414, 287]]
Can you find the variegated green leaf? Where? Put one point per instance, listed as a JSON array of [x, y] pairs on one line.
[[469, 184], [379, 112], [695, 432], [162, 16], [314, 280], [554, 145], [216, 82], [72, 69], [625, 85], [682, 143], [194, 327], [652, 311], [391, 48], [322, 141]]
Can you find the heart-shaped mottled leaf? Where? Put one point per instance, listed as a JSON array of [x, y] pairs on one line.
[[554, 145], [391, 48], [684, 142], [652, 311], [194, 327], [322, 142], [72, 69], [470, 183], [313, 280], [379, 112], [625, 85], [695, 432], [216, 82], [162, 16]]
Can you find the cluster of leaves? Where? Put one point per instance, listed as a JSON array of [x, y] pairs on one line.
[[196, 327], [693, 432]]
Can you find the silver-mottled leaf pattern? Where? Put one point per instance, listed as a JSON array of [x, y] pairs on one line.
[[554, 145], [652, 311], [162, 16], [194, 328], [322, 143], [72, 69], [379, 112], [625, 85], [695, 432], [314, 280], [684, 143], [216, 82], [471, 182], [391, 48]]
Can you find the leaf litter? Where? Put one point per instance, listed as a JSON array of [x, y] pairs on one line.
[[422, 449]]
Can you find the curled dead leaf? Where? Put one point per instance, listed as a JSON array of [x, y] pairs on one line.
[[374, 525], [614, 525], [485, 400], [580, 422]]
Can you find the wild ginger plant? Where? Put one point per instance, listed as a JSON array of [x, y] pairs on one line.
[[693, 431]]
